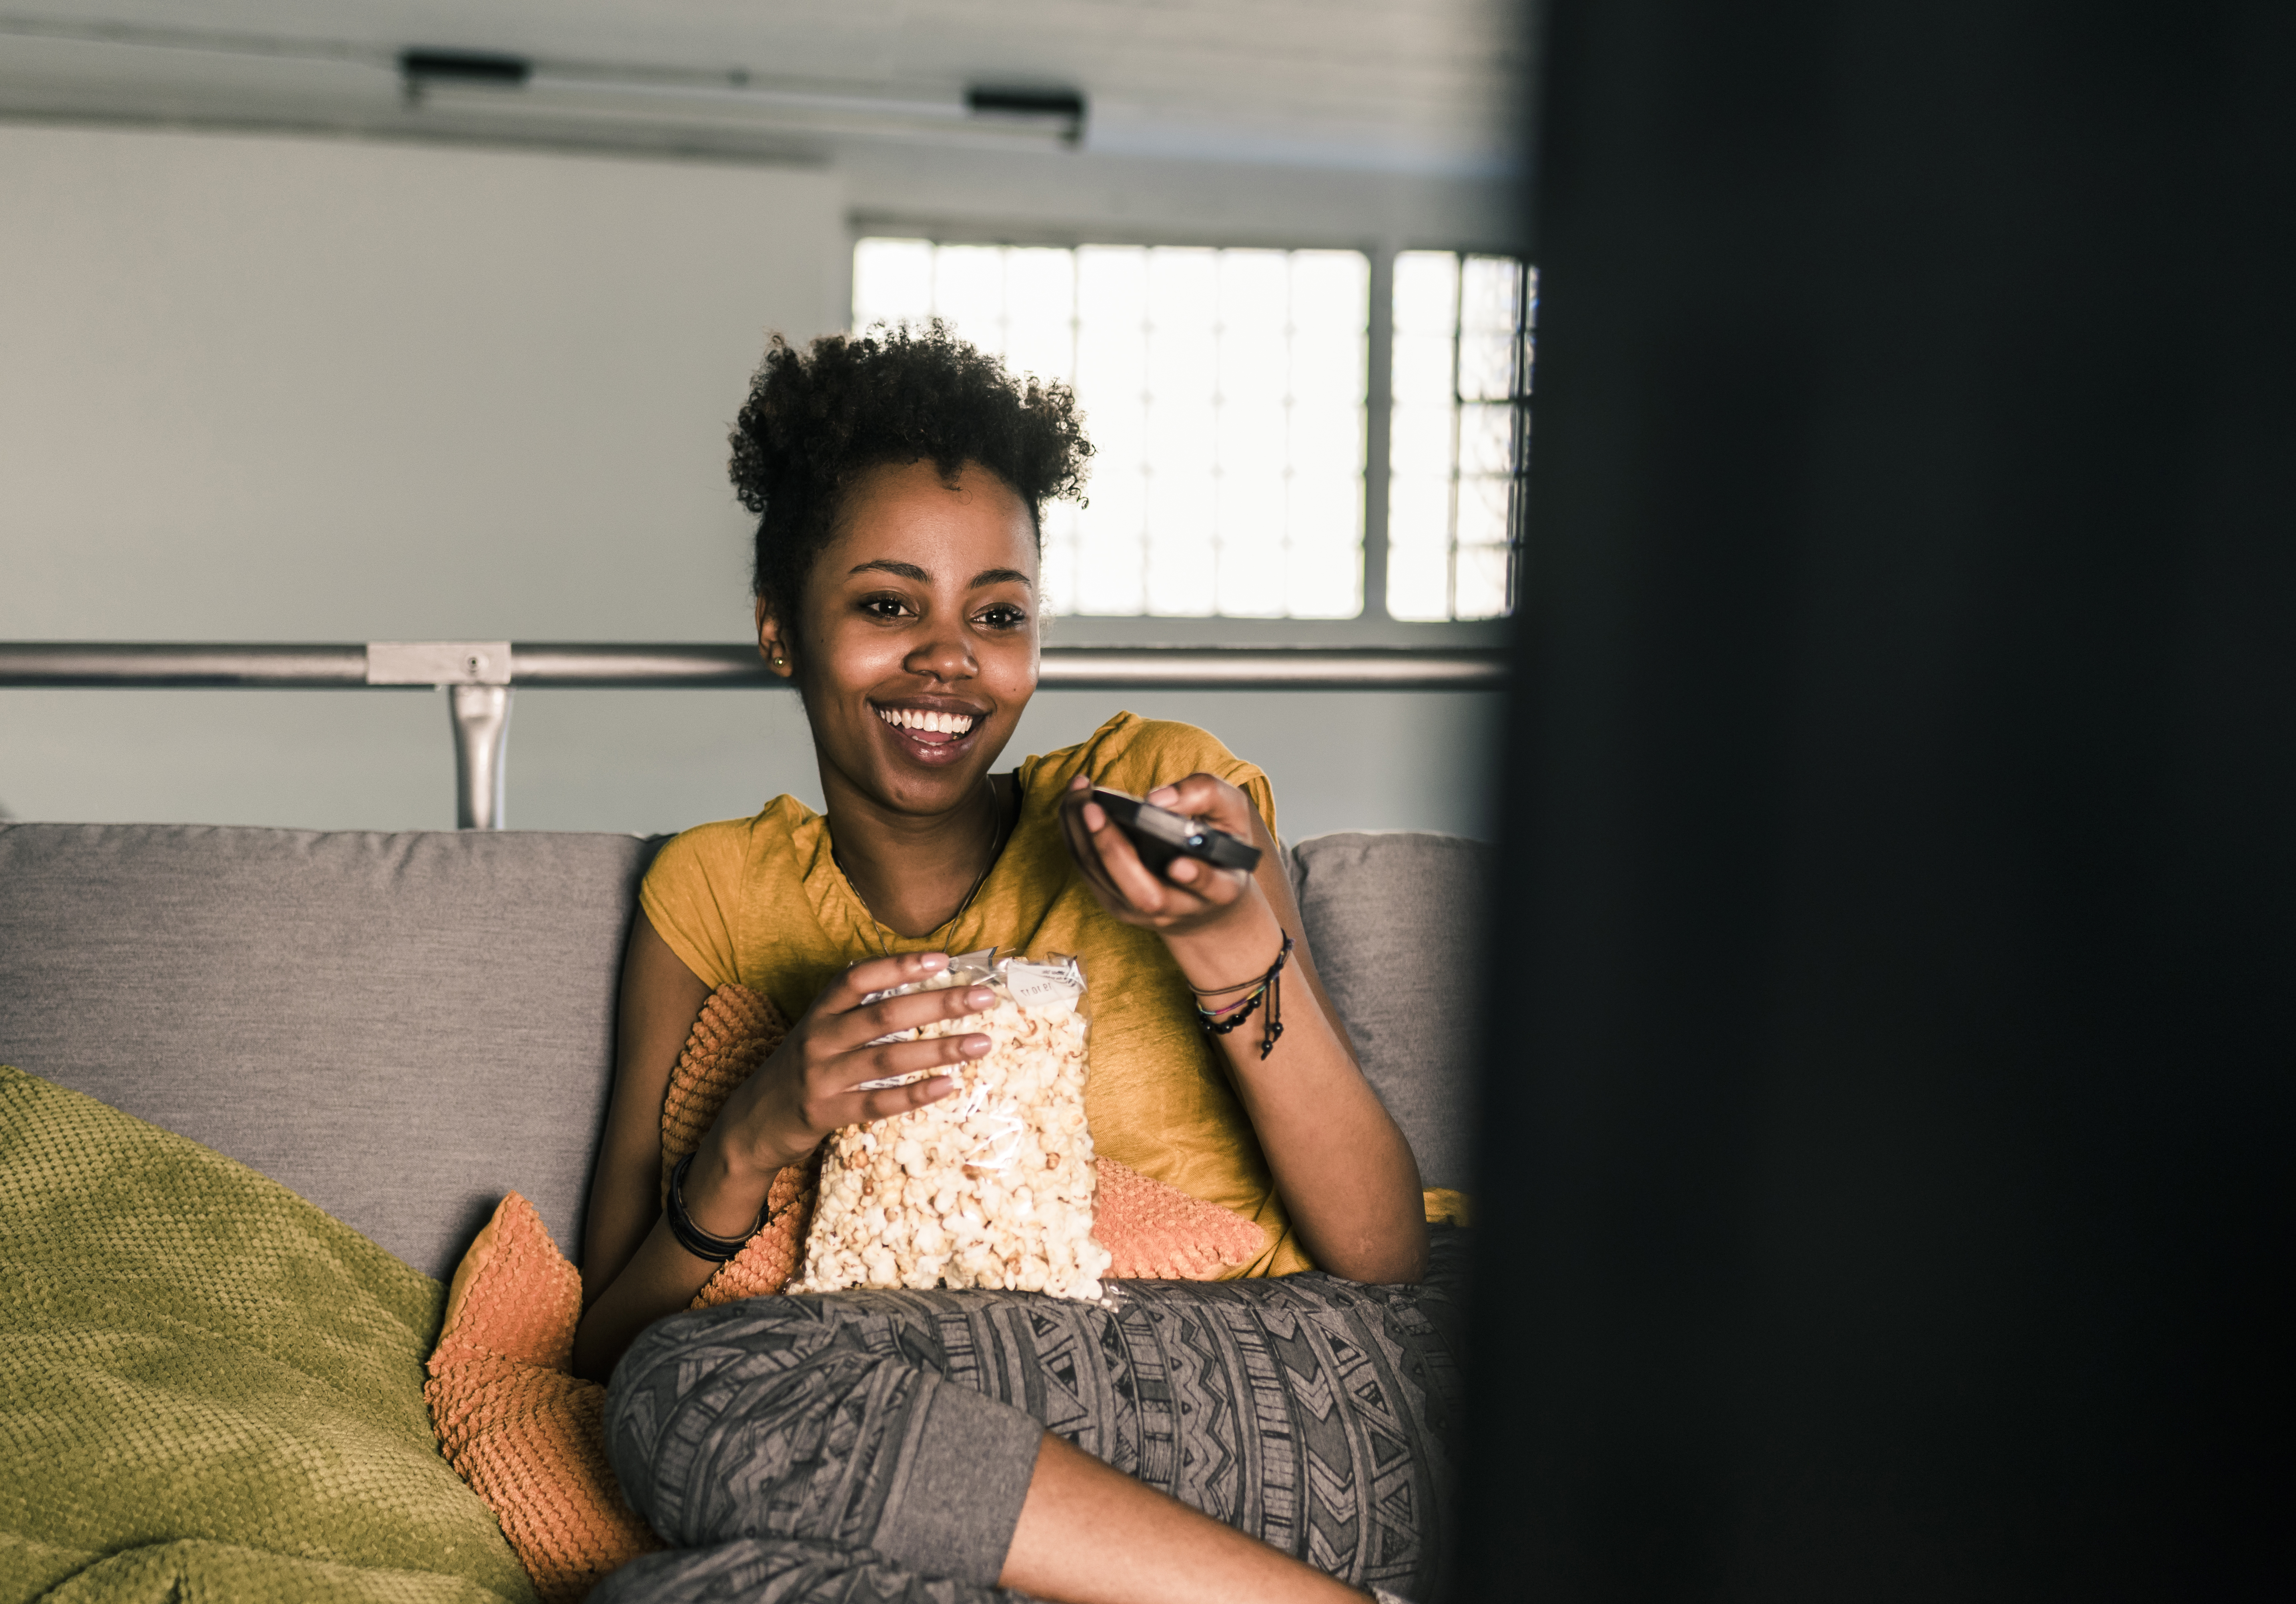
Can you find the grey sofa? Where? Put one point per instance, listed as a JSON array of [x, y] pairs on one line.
[[403, 1028]]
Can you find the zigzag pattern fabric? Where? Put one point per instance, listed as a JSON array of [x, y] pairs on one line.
[[804, 1450]]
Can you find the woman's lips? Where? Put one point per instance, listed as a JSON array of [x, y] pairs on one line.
[[929, 735]]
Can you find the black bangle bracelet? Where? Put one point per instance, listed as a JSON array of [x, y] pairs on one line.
[[691, 1237]]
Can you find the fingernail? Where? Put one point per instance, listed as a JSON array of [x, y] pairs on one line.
[[1163, 795], [940, 1084], [980, 996], [977, 1046], [929, 961], [1094, 818]]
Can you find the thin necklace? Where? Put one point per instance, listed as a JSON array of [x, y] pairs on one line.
[[996, 845]]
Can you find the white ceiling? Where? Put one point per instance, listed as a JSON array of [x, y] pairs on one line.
[[1426, 88]]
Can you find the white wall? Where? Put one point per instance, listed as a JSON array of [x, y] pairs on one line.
[[277, 388]]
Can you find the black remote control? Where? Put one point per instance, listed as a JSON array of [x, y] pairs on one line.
[[1160, 835]]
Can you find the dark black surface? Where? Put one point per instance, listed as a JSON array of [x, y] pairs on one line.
[[421, 65], [1887, 1127], [988, 98], [1063, 106]]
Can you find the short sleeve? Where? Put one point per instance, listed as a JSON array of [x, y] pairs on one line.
[[1137, 755], [691, 896]]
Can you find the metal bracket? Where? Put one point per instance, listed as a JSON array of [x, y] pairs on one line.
[[475, 675], [438, 662], [481, 715]]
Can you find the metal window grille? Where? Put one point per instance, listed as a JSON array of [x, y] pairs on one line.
[[1459, 439], [1225, 392]]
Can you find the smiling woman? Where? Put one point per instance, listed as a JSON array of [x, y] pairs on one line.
[[900, 482]]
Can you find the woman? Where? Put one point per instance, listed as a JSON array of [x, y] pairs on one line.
[[861, 1445]]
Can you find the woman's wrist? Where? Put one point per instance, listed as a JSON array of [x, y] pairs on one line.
[[725, 1194], [1236, 948]]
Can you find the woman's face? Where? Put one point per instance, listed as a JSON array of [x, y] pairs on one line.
[[916, 644]]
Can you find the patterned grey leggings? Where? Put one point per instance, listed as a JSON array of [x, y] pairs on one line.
[[875, 1446]]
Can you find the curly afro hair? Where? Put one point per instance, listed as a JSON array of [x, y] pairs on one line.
[[819, 419]]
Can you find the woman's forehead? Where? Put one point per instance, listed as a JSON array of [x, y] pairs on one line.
[[907, 520]]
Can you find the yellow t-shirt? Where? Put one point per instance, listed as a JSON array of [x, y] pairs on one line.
[[759, 902]]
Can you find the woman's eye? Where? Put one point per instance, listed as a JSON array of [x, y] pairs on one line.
[[883, 607], [1003, 616]]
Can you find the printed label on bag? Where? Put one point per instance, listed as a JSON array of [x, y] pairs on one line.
[[1034, 985]]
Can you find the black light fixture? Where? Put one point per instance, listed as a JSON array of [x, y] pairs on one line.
[[420, 66], [1023, 104]]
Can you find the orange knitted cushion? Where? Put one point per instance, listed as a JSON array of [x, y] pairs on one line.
[[1158, 1232], [528, 1436], [738, 1030]]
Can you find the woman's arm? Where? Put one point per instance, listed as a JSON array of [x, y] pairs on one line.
[[631, 1266], [661, 999], [1344, 1171], [633, 1270]]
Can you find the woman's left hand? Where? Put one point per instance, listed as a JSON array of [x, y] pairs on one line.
[[1197, 895]]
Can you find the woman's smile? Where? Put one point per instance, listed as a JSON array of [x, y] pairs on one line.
[[930, 730]]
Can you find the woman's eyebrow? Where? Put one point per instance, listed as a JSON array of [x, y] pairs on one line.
[[998, 576], [906, 570]]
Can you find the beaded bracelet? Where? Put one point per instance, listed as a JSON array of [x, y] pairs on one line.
[[1268, 989]]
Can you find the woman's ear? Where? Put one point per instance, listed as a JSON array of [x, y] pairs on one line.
[[773, 644]]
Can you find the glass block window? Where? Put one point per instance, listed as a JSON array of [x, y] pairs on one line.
[[1224, 391], [1459, 446]]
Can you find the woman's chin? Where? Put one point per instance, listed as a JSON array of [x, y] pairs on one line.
[[930, 752], [931, 776]]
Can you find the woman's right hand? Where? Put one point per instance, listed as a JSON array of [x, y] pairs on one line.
[[812, 1083]]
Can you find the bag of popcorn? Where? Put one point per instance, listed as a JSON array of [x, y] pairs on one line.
[[992, 1186]]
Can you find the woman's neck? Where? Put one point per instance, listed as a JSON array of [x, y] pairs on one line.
[[915, 874]]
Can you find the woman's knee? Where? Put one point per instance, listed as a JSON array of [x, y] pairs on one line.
[[758, 1381]]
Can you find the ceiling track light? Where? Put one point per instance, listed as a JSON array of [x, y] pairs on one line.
[[479, 86], [420, 67], [1062, 109], [631, 91]]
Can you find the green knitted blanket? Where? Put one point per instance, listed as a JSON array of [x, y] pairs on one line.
[[210, 1389]]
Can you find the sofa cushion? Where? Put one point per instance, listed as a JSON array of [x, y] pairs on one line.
[[209, 1388], [1396, 921], [526, 1434], [399, 1027]]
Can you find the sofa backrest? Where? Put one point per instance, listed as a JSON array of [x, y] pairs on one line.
[[403, 1028], [400, 1027], [1395, 918]]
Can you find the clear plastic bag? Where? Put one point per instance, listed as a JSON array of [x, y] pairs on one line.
[[991, 1186]]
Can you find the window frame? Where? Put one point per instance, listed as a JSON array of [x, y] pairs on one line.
[[1373, 626], [1517, 401]]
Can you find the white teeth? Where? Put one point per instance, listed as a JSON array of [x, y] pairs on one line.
[[914, 718]]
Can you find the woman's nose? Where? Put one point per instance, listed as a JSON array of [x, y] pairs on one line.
[[944, 654]]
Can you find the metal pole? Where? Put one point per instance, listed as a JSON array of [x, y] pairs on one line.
[[420, 664], [478, 677], [481, 715]]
